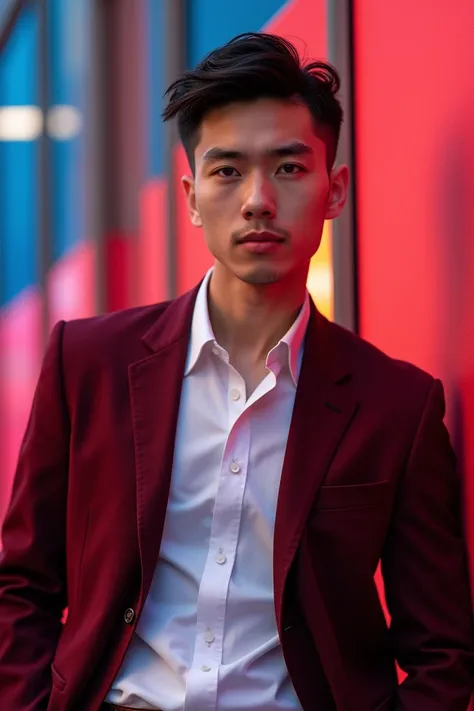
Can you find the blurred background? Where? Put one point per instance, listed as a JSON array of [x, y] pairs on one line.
[[91, 214]]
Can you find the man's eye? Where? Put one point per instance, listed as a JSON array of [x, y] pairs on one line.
[[290, 168], [227, 172]]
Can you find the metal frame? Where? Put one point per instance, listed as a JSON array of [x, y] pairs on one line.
[[344, 232], [8, 17]]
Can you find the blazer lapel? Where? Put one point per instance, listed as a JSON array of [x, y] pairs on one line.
[[155, 391], [324, 407]]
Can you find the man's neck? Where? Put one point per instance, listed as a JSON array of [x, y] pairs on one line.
[[248, 320]]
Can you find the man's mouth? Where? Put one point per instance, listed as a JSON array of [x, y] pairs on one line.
[[263, 237]]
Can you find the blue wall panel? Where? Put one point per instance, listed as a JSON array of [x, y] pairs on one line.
[[155, 86], [214, 22], [19, 163]]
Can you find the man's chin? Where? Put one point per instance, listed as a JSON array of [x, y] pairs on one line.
[[261, 276]]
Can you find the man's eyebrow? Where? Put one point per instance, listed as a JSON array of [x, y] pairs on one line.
[[291, 149], [297, 148], [217, 153]]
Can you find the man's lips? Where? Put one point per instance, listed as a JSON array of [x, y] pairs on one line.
[[261, 242], [260, 238]]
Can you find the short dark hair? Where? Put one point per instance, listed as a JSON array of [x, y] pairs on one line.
[[251, 66]]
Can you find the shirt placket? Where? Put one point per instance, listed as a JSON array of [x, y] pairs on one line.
[[203, 676]]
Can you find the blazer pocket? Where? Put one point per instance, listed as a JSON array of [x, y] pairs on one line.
[[59, 682], [352, 496]]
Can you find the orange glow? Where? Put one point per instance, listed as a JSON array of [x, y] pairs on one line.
[[320, 276]]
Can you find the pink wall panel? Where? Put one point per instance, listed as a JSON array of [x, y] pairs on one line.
[[71, 284], [20, 358], [415, 158]]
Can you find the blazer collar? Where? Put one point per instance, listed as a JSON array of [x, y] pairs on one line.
[[175, 322]]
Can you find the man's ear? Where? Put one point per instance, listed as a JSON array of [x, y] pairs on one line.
[[338, 191], [190, 192]]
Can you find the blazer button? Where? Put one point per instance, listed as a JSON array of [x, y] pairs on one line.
[[129, 615]]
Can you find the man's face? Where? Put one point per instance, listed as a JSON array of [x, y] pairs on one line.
[[261, 190]]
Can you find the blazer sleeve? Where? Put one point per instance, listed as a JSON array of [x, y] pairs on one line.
[[32, 565], [425, 574]]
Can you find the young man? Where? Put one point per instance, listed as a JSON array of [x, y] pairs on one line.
[[209, 484]]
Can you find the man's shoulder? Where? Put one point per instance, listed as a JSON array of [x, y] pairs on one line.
[[117, 324], [371, 363], [112, 339]]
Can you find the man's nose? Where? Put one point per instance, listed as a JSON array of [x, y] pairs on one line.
[[259, 201]]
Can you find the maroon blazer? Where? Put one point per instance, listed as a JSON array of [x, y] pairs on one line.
[[368, 473]]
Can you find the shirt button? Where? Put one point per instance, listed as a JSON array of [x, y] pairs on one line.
[[129, 615], [235, 395], [205, 668], [234, 467], [209, 637], [220, 557]]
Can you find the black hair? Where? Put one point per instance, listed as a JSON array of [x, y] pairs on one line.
[[251, 66]]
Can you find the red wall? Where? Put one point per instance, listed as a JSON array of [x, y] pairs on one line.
[[414, 116]]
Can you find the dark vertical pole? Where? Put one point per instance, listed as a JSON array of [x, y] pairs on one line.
[[95, 138], [340, 51], [122, 150], [175, 19], [44, 167]]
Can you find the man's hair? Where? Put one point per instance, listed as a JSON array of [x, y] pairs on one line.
[[252, 66]]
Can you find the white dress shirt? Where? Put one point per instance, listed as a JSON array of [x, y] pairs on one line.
[[207, 637]]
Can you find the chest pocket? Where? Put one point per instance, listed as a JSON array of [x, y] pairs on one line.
[[352, 496]]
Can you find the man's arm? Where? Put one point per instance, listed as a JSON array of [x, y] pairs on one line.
[[425, 574], [32, 566]]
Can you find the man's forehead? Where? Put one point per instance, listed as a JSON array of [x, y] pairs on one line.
[[239, 128], [259, 114]]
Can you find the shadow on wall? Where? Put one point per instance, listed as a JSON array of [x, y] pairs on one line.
[[454, 225]]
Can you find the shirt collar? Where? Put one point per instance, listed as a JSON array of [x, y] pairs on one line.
[[202, 334], [294, 339], [201, 329]]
